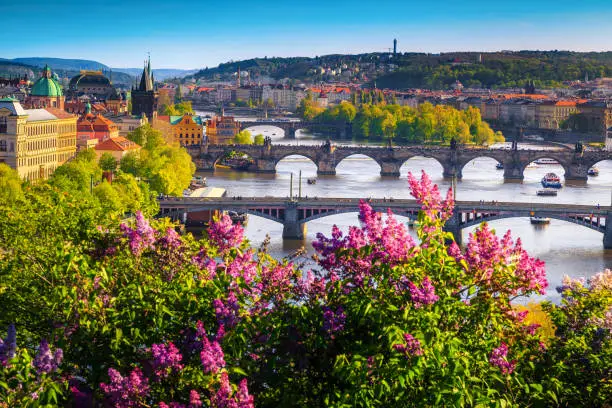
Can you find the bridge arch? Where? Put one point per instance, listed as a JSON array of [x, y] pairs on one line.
[[583, 221], [486, 171], [545, 155], [410, 214], [312, 159], [406, 164], [603, 166], [340, 159], [255, 129]]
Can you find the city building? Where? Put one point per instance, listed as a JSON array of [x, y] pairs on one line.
[[93, 83], [144, 97], [128, 123], [96, 127], [221, 129], [35, 141], [187, 129], [117, 146], [46, 92]]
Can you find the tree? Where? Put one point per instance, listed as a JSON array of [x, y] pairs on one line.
[[243, 137], [259, 139], [147, 137], [107, 162], [10, 185]]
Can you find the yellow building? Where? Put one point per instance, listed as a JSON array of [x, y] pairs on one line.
[[185, 130], [552, 114], [35, 141]]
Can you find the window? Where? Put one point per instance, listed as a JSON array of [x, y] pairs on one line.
[[3, 146], [3, 125]]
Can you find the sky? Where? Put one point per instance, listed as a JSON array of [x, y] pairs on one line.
[[197, 34]]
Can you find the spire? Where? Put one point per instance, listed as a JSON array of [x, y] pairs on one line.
[[146, 81]]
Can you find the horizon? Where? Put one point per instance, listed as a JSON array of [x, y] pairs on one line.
[[193, 36]]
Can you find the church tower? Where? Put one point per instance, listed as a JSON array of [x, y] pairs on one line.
[[144, 97]]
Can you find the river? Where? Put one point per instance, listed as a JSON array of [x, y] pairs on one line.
[[567, 249]]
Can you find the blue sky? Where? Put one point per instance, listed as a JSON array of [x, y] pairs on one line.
[[194, 34]]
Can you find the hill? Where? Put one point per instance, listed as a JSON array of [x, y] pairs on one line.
[[159, 73], [63, 64], [434, 71]]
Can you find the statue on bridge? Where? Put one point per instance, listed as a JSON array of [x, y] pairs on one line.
[[514, 145], [579, 147], [328, 146], [453, 143]]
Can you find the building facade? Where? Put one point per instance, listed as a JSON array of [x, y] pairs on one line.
[[46, 92], [35, 141], [144, 98]]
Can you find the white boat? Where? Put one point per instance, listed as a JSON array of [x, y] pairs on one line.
[[593, 171], [547, 192], [532, 165], [539, 220]]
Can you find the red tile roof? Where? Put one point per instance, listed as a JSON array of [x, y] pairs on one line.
[[117, 144]]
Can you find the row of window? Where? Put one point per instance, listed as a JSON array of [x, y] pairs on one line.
[[187, 135], [6, 147], [42, 144], [50, 159], [34, 130]]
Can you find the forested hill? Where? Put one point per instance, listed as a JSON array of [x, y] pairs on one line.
[[434, 71]]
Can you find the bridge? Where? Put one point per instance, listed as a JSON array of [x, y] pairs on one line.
[[338, 129], [295, 214], [390, 159]]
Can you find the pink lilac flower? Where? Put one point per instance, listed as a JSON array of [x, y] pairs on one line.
[[225, 234], [125, 392], [602, 281], [428, 195], [211, 356], [499, 359], [333, 321], [227, 312], [45, 362], [8, 346], [194, 399], [140, 238], [410, 347], [171, 405], [243, 398], [223, 397], [424, 296], [171, 240], [243, 266], [166, 358], [277, 279], [532, 328], [202, 261]]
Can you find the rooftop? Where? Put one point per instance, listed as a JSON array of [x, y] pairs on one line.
[[117, 144]]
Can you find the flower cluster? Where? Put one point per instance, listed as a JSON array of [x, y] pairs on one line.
[[211, 354], [602, 281], [333, 321], [8, 346], [424, 296], [124, 392], [410, 347], [140, 238], [223, 398], [227, 312], [225, 234], [166, 358], [46, 362], [428, 195], [499, 359]]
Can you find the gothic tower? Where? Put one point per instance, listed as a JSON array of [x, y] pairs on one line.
[[144, 97]]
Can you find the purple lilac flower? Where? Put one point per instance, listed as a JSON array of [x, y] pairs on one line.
[[224, 234], [194, 399], [410, 347], [166, 358], [212, 356], [8, 347], [498, 358], [140, 238], [45, 362], [333, 321], [227, 313], [171, 240], [125, 392], [424, 296], [244, 399]]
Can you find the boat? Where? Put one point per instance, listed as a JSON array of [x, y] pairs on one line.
[[197, 182], [238, 217], [539, 220], [312, 181], [593, 171], [551, 180], [546, 161], [499, 166], [547, 192], [532, 165]]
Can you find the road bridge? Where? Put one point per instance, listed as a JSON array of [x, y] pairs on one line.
[[390, 159], [341, 130], [293, 214]]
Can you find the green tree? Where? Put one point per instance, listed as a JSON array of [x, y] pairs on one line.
[[243, 137], [10, 185], [147, 137], [259, 139], [107, 162]]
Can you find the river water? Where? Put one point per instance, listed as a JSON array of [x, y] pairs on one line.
[[567, 249]]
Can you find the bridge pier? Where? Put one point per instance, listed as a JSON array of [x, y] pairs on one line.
[[290, 133], [513, 171], [265, 166], [607, 237], [390, 169], [450, 170], [577, 171], [453, 225], [292, 227], [326, 168]]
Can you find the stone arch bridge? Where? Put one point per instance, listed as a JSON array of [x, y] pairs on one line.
[[294, 214], [340, 130], [390, 159]]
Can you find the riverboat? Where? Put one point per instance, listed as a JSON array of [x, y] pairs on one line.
[[593, 171], [238, 217], [551, 180], [499, 166], [197, 182], [312, 181], [532, 165], [547, 192], [539, 220], [546, 161]]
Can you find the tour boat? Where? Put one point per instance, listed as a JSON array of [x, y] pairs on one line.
[[551, 180], [312, 181], [499, 166], [539, 220], [532, 165], [197, 182], [547, 192], [593, 171], [546, 161], [238, 217]]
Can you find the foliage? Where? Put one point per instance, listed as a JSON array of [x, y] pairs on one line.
[[243, 137], [10, 185], [177, 109], [259, 139], [147, 317], [168, 169], [107, 162]]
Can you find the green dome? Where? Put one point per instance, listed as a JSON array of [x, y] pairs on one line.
[[46, 87]]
